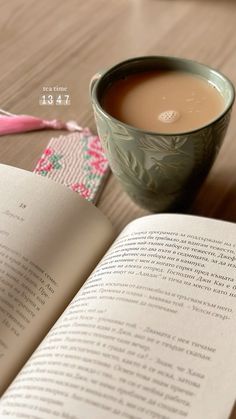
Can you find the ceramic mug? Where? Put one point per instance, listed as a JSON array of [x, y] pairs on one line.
[[159, 171]]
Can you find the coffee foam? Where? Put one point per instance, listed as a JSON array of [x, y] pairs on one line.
[[168, 117]]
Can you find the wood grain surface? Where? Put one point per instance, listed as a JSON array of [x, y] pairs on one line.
[[63, 43]]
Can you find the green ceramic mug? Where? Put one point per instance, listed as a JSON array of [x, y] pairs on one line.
[[180, 161]]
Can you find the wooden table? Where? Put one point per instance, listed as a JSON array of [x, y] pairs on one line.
[[63, 43]]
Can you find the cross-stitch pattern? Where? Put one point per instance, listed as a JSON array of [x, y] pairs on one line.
[[76, 160]]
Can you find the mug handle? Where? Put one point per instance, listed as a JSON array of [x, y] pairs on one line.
[[94, 79]]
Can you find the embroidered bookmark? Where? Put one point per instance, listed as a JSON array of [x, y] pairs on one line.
[[77, 161]]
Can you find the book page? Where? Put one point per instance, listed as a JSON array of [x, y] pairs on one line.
[[151, 334], [50, 240]]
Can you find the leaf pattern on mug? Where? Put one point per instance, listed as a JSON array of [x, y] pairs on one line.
[[120, 131], [104, 131], [203, 151], [158, 171], [133, 173], [149, 182], [164, 146], [174, 169], [134, 170]]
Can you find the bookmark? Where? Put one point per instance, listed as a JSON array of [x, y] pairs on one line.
[[77, 161], [11, 123]]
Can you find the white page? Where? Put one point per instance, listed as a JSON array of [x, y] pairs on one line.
[[50, 240], [150, 335]]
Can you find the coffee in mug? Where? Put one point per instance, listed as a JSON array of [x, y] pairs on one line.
[[158, 150], [163, 101]]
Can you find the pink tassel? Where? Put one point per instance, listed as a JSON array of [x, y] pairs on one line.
[[10, 124]]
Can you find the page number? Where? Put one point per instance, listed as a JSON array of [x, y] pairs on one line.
[[22, 205]]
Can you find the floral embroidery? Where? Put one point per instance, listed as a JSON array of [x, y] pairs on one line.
[[48, 162], [98, 162], [81, 188], [96, 165], [77, 160]]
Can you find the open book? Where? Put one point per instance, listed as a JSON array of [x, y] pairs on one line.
[[145, 329]]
